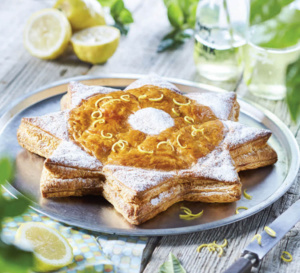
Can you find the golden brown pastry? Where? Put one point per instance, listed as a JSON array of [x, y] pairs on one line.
[[145, 148]]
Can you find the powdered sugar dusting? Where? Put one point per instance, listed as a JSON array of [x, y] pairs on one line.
[[155, 80], [239, 133], [220, 103], [216, 165], [160, 198], [150, 121], [80, 92], [54, 123], [69, 154], [138, 179]]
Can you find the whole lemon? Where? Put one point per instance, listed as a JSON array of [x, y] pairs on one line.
[[82, 13]]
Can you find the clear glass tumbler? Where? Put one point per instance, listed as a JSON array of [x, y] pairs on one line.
[[265, 70], [220, 36]]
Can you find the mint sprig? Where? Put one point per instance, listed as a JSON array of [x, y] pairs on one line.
[[182, 16], [121, 15]]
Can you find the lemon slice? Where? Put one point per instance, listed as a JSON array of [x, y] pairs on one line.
[[51, 250], [82, 13], [96, 44], [47, 34]]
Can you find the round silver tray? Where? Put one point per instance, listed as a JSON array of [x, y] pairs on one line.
[[94, 213]]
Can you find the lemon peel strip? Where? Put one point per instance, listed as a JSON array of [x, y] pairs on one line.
[[289, 259], [120, 143], [258, 238], [125, 97], [189, 119], [174, 111], [110, 101], [165, 142], [142, 97], [189, 215], [143, 151], [157, 99], [212, 247], [109, 135], [201, 246], [238, 208], [107, 97], [183, 147], [96, 112], [98, 121], [270, 231], [246, 195], [179, 103]]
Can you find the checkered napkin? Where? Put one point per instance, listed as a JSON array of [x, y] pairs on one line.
[[93, 252]]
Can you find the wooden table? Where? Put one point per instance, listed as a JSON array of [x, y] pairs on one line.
[[21, 73]]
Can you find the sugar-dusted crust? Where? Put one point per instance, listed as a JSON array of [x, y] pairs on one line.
[[42, 135], [208, 171]]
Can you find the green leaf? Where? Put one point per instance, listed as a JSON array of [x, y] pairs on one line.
[[125, 16], [192, 15], [121, 15], [116, 8], [174, 39], [6, 170], [172, 265], [14, 207], [293, 90], [279, 32], [106, 3], [15, 260], [262, 10], [175, 15]]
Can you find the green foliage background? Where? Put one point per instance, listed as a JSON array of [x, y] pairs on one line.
[[12, 259]]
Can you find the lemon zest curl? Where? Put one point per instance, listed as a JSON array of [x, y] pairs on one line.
[[183, 147], [246, 195], [183, 104], [289, 259], [157, 99], [258, 238], [238, 208], [270, 231]]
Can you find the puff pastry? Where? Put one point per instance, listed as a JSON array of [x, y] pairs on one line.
[[145, 148]]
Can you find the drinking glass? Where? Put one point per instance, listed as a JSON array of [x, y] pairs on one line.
[[220, 35]]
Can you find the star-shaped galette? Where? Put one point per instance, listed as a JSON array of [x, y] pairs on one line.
[[146, 147]]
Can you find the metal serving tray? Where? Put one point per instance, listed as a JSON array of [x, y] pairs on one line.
[[266, 184]]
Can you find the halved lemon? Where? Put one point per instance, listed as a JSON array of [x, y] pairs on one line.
[[51, 249], [96, 44], [82, 13], [47, 34]]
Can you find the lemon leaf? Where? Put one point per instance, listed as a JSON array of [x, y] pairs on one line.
[[172, 265]]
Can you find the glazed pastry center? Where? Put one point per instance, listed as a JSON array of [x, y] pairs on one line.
[[147, 127], [150, 121]]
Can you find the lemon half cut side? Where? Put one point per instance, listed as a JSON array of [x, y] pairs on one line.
[[47, 34], [51, 249], [95, 44]]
